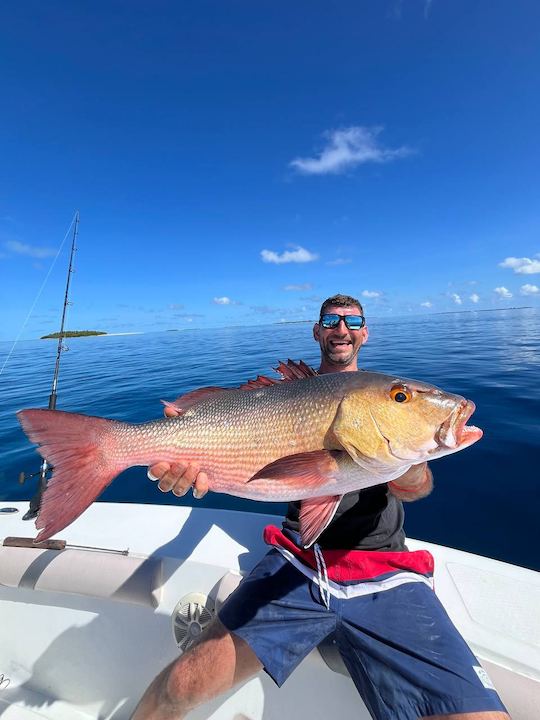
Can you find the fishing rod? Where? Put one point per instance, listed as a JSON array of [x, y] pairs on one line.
[[35, 502]]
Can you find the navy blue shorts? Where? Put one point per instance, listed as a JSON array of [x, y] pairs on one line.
[[402, 651]]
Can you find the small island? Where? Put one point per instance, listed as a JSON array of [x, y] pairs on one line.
[[72, 333]]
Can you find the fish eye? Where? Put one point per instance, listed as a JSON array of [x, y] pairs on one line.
[[400, 394]]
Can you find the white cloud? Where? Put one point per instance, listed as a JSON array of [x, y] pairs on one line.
[[300, 255], [503, 292], [303, 287], [339, 261], [346, 149], [474, 298], [528, 289], [267, 310], [371, 293], [456, 298], [427, 304], [31, 250], [224, 301], [522, 266]]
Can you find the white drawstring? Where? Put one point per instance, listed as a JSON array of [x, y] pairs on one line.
[[324, 587]]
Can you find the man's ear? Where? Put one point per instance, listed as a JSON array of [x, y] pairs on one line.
[[365, 334], [316, 332]]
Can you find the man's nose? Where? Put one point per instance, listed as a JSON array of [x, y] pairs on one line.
[[342, 327]]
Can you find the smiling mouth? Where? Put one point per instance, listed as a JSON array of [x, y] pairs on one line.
[[454, 431], [340, 344]]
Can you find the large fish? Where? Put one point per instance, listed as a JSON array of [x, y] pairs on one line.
[[313, 439]]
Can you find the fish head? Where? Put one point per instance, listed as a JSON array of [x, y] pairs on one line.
[[392, 422]]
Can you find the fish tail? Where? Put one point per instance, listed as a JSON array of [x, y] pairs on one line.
[[86, 455]]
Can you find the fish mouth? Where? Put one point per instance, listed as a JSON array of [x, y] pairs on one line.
[[454, 432]]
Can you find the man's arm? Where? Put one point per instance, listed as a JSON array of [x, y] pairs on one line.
[[179, 477], [416, 483]]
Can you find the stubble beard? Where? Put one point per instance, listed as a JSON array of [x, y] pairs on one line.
[[340, 359]]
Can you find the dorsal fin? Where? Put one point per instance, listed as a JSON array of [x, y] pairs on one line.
[[259, 382], [295, 370], [194, 397], [290, 370]]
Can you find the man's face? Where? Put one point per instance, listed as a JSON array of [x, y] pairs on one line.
[[339, 345]]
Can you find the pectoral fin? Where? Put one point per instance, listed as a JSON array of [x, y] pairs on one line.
[[310, 469], [298, 472], [315, 516]]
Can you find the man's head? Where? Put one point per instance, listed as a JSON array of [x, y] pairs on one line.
[[339, 341]]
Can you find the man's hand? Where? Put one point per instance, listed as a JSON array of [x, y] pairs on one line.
[[416, 483], [179, 477]]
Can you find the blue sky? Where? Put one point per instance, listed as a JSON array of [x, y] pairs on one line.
[[235, 162]]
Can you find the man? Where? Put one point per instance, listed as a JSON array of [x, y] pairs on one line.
[[405, 657]]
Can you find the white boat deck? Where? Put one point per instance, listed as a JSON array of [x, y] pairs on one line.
[[83, 632]]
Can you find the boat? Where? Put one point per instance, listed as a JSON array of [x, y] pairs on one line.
[[90, 619]]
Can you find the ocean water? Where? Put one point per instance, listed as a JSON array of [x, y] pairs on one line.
[[486, 498]]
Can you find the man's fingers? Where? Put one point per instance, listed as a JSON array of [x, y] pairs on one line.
[[157, 471], [200, 487], [179, 477], [174, 476], [185, 481], [170, 412]]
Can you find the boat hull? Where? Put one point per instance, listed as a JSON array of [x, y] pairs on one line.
[[83, 632]]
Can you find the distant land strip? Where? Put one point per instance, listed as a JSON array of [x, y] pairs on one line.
[[473, 310], [72, 333]]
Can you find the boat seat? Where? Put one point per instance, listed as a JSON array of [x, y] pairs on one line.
[[96, 573], [332, 657], [30, 705]]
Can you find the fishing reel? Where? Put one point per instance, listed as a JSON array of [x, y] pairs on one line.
[[35, 502]]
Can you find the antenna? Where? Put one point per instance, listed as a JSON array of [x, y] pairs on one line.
[[35, 502]]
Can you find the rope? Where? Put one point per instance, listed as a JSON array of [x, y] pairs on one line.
[[324, 588], [10, 353]]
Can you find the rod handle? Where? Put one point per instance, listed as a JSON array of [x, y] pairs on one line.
[[26, 542]]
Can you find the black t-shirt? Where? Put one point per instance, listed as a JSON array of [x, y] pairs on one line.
[[370, 519]]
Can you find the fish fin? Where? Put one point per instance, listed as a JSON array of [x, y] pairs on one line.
[[308, 469], [84, 453], [315, 516], [290, 370], [194, 397], [295, 370], [174, 406], [259, 382]]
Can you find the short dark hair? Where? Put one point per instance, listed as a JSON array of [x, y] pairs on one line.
[[341, 301]]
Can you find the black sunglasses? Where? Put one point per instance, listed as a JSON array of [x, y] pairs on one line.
[[353, 322]]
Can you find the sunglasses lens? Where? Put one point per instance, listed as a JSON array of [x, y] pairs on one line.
[[354, 322], [329, 321]]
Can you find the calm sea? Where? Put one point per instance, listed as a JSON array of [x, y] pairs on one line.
[[485, 499]]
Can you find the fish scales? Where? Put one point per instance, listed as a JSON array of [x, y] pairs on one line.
[[315, 437], [235, 435]]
